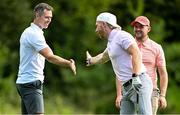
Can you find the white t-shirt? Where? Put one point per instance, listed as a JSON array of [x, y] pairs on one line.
[[31, 61], [118, 42]]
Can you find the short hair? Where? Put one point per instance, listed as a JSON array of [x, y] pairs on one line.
[[41, 7]]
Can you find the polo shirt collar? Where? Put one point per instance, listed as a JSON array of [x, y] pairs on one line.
[[36, 27], [144, 43], [112, 34]]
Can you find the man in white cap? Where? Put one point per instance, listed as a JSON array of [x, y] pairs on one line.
[[154, 60], [126, 60]]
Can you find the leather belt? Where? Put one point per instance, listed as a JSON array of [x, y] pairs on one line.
[[130, 81]]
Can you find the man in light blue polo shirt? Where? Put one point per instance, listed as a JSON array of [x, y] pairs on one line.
[[33, 52], [126, 60]]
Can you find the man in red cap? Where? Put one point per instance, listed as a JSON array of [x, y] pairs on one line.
[[153, 58]]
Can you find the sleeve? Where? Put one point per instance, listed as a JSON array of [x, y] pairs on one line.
[[126, 40], [160, 57], [37, 41]]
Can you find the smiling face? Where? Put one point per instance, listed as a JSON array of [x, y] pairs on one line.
[[43, 20], [141, 31]]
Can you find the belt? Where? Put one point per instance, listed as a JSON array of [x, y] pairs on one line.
[[127, 83], [157, 90], [130, 81]]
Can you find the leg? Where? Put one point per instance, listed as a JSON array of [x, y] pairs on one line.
[[154, 101], [127, 107], [32, 97], [127, 104], [23, 108], [145, 95], [34, 103]]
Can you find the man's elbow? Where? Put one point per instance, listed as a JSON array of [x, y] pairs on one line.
[[50, 58]]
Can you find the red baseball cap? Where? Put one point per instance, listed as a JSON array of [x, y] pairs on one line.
[[142, 20]]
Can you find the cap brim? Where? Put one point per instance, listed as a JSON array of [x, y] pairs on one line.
[[134, 22], [116, 25]]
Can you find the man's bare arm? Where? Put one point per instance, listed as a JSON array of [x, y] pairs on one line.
[[99, 59]]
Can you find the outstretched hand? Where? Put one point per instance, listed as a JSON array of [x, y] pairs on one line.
[[88, 59], [73, 66]]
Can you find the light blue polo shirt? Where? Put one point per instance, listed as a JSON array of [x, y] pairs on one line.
[[31, 61], [118, 43]]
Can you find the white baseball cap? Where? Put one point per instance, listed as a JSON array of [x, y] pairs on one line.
[[109, 18]]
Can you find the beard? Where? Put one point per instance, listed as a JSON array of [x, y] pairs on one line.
[[101, 35], [138, 34]]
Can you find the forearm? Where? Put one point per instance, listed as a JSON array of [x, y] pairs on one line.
[[119, 94], [163, 80], [97, 59], [59, 61], [118, 88], [48, 54], [163, 83], [136, 64], [100, 58]]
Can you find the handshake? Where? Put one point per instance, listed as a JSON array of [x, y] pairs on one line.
[[136, 82]]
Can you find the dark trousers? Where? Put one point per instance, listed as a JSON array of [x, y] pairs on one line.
[[31, 97]]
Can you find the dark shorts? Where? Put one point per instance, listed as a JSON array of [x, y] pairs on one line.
[[31, 97]]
